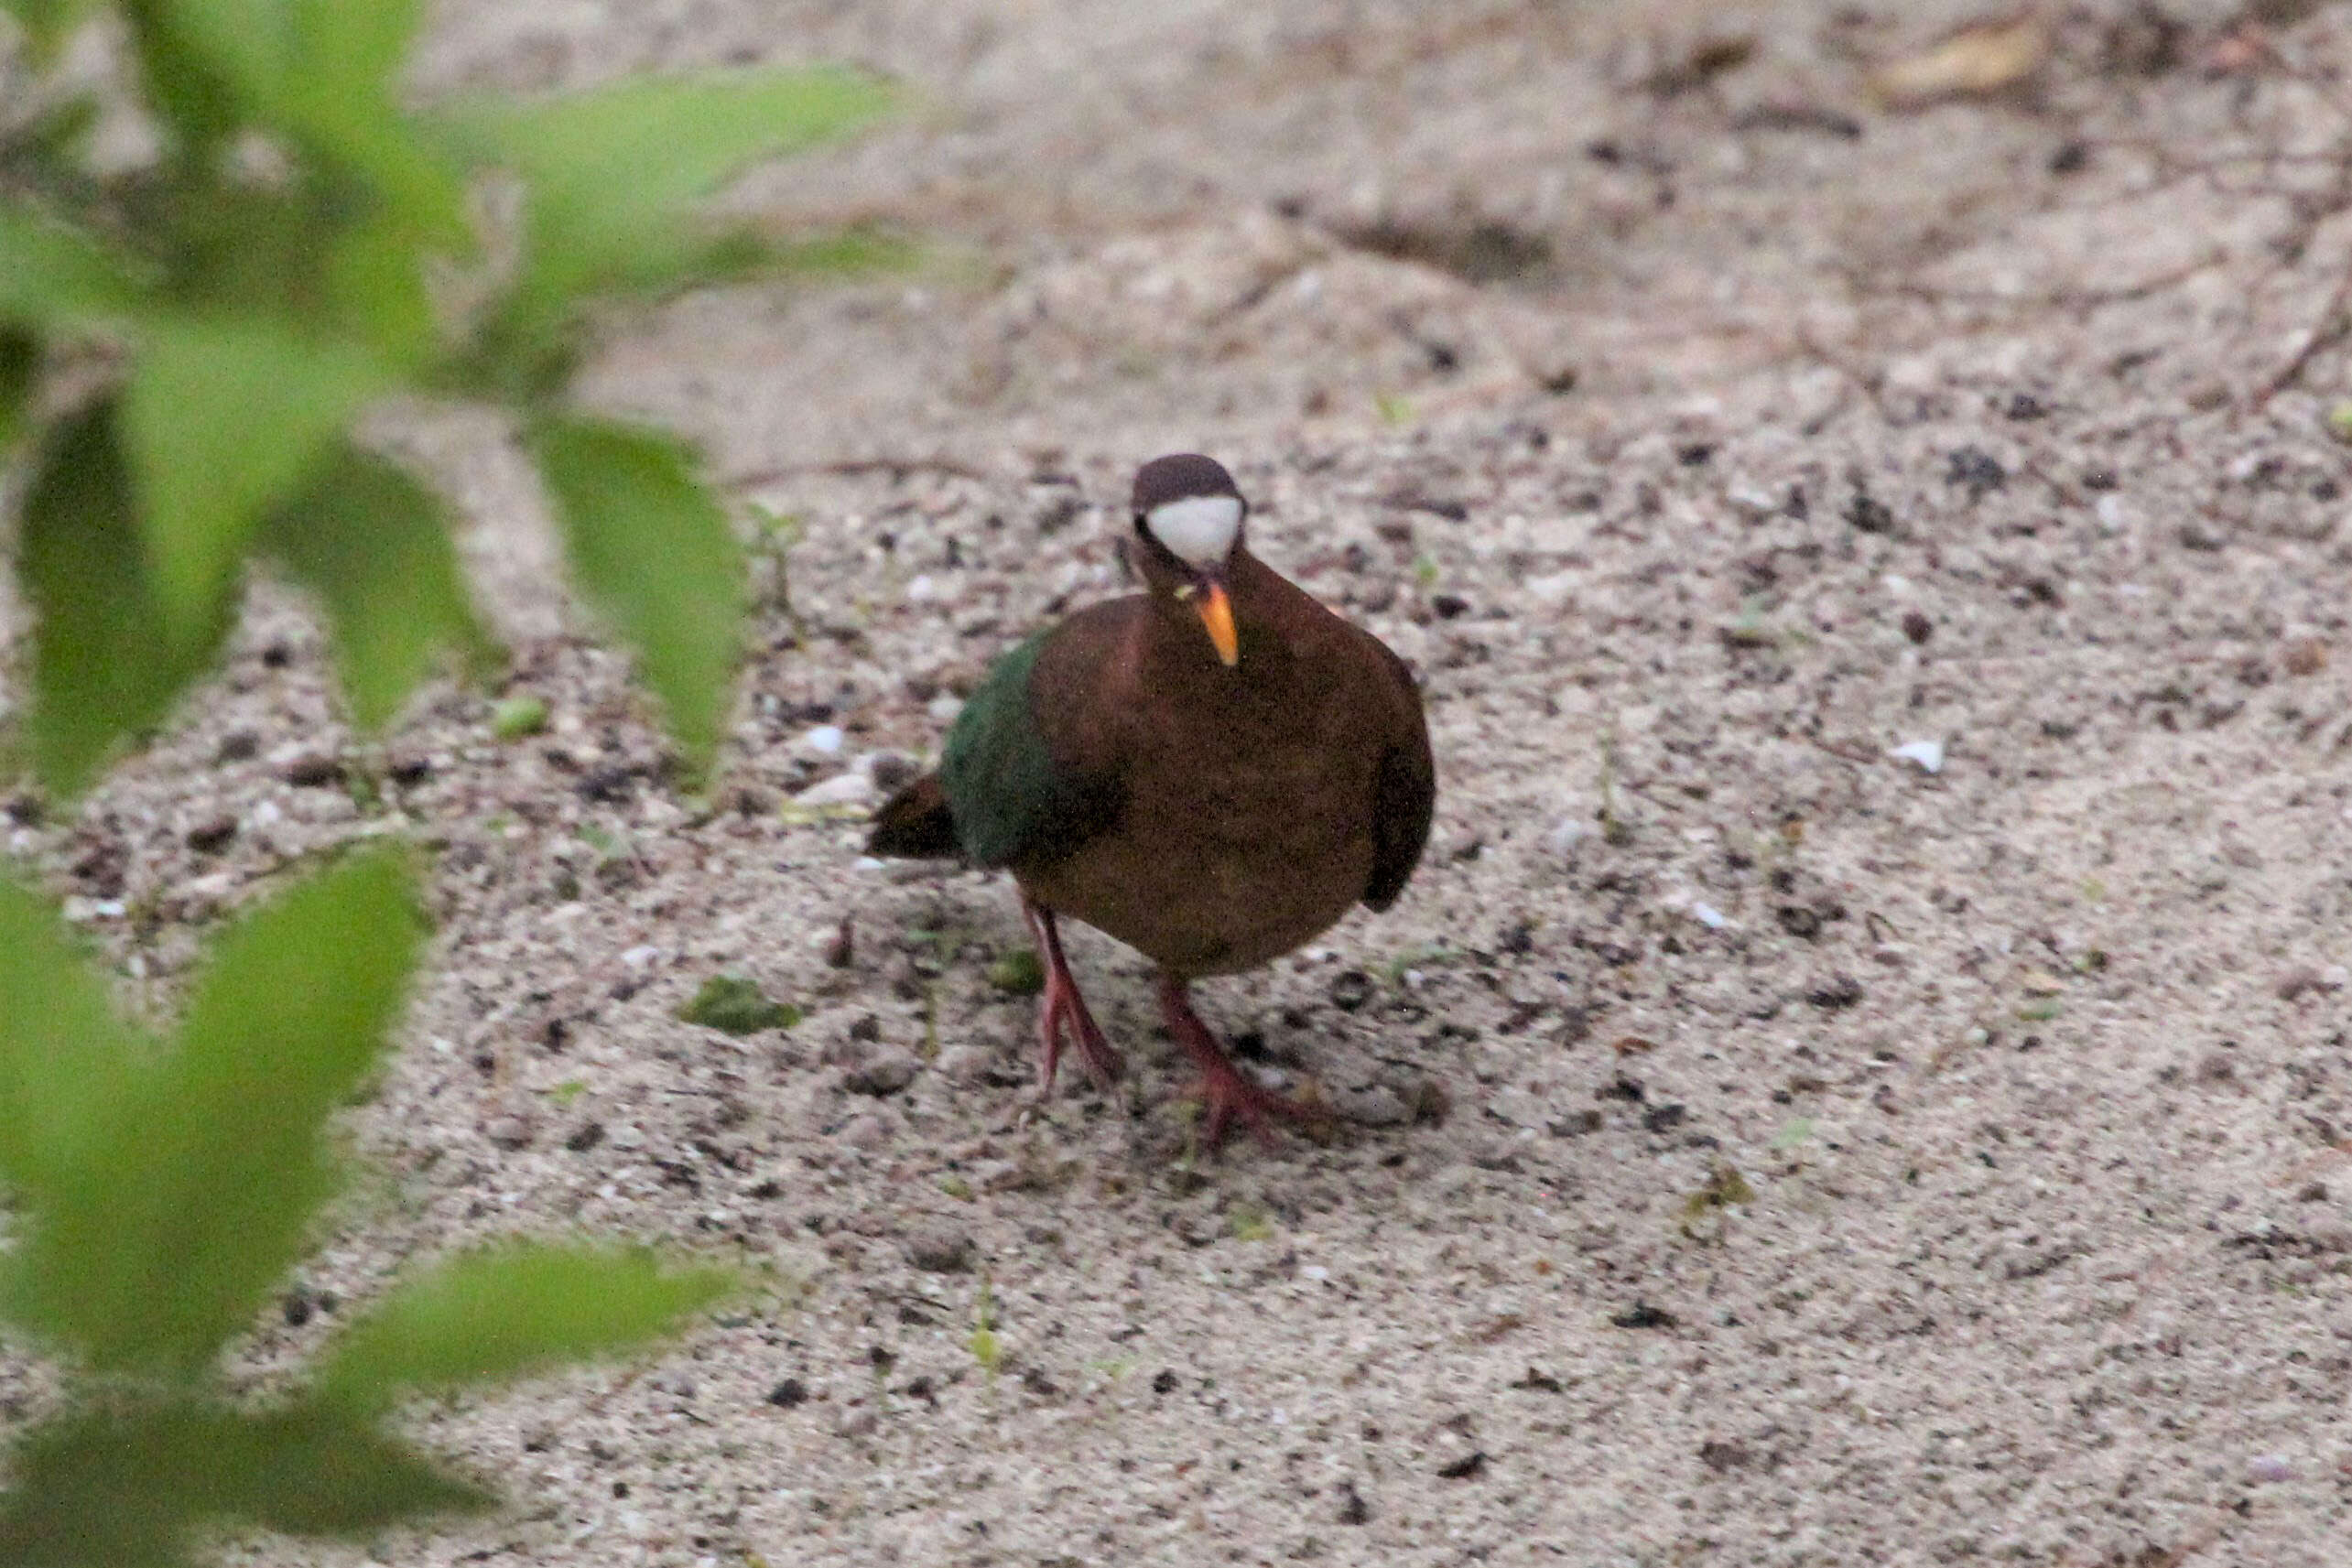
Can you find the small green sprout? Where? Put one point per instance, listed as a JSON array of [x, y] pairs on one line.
[[518, 717], [1018, 973], [986, 1348], [1705, 1212], [735, 1005]]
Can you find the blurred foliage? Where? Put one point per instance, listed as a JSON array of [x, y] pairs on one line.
[[303, 244], [186, 344], [164, 1191]]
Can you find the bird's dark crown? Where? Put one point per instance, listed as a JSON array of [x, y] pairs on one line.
[[1178, 477]]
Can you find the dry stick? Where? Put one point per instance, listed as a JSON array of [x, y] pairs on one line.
[[2332, 326], [2329, 329], [897, 467]]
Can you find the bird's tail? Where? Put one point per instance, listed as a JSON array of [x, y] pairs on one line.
[[916, 824]]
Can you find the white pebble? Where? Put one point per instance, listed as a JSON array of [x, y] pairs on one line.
[[1555, 588], [1567, 834], [921, 587], [826, 739], [638, 957], [943, 709], [852, 788], [1928, 755], [1706, 915], [2269, 1468]]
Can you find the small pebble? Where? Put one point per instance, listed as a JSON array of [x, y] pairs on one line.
[[1927, 754], [1568, 833], [966, 1063], [312, 770], [883, 1072], [826, 739], [941, 1249], [1376, 1106], [508, 1131], [865, 1132], [852, 788], [1706, 915], [2268, 1469]]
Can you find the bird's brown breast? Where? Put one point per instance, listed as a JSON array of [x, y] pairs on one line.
[[1247, 824]]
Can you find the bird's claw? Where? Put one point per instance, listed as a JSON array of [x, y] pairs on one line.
[[1062, 1007]]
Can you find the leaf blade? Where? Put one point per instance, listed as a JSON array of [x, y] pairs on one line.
[[510, 1311], [193, 1200], [656, 556], [51, 272], [222, 419], [373, 545], [129, 1485], [103, 665], [66, 1056], [609, 168]]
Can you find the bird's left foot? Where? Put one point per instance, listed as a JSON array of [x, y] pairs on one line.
[[1226, 1093], [1062, 1007]]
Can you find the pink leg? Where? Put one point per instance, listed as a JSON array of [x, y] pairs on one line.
[[1062, 1005], [1228, 1092]]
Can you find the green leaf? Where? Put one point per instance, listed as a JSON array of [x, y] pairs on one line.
[[51, 273], [611, 170], [223, 419], [654, 553], [736, 254], [510, 1311], [20, 361], [129, 1485], [66, 1056], [518, 717], [323, 74], [374, 545], [49, 23], [190, 1203], [103, 667]]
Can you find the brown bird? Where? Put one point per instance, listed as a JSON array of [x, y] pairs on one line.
[[1212, 771]]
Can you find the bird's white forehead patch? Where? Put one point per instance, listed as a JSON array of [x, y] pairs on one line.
[[1199, 528]]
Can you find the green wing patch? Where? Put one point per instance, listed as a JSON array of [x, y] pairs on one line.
[[1010, 802]]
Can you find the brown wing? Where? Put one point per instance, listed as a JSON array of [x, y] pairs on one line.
[[1404, 792]]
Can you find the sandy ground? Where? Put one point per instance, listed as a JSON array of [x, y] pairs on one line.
[[1761, 1148]]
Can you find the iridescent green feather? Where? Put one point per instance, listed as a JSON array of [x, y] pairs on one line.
[[997, 772]]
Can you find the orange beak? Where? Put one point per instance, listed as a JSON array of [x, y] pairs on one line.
[[1216, 611]]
